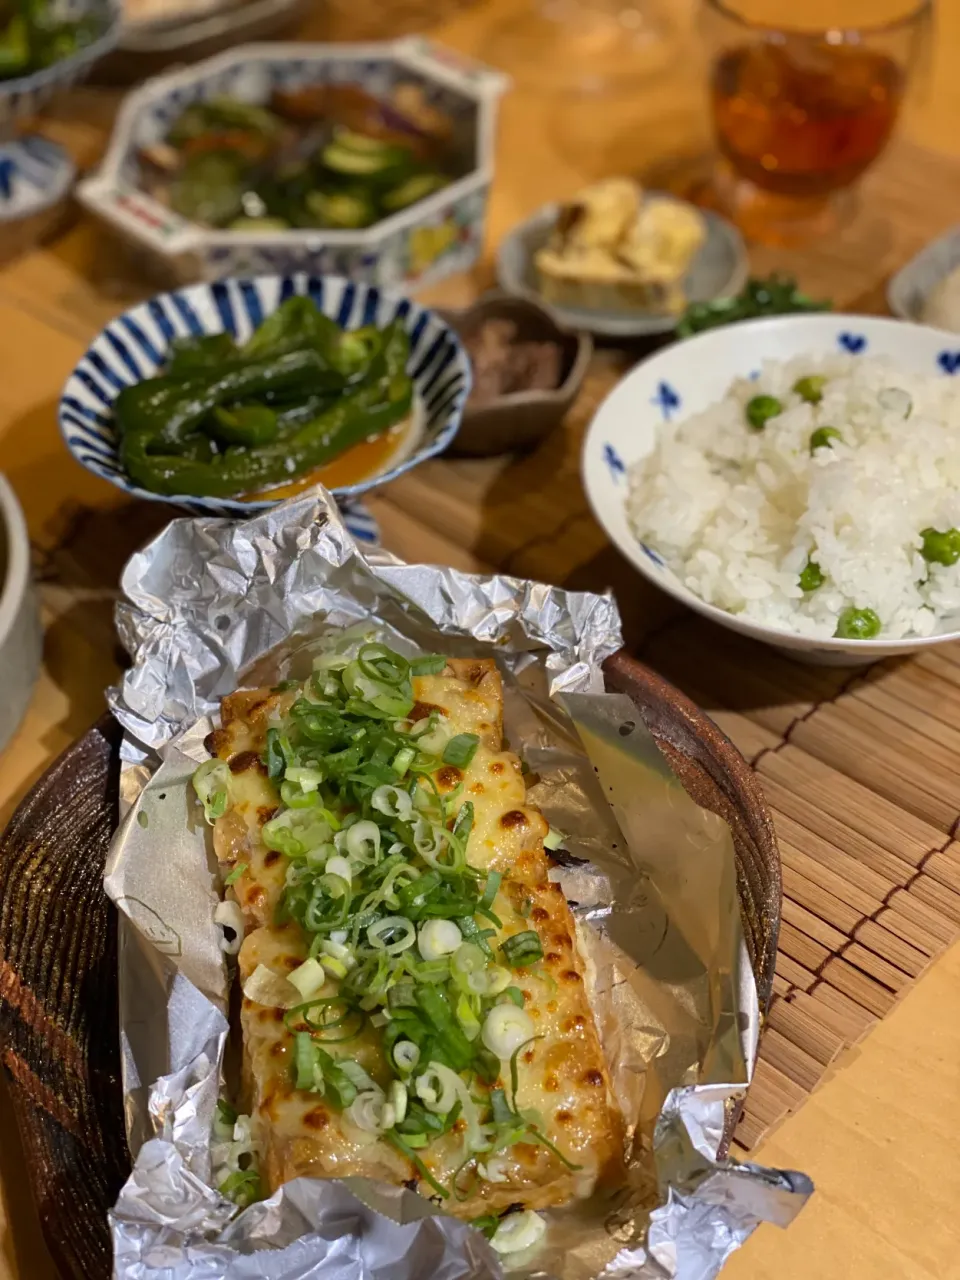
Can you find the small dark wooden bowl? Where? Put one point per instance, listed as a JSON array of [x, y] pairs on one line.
[[59, 1041], [522, 419]]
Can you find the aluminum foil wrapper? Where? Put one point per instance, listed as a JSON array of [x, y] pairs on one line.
[[211, 605]]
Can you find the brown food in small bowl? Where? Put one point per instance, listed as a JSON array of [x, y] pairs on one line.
[[503, 363], [527, 371]]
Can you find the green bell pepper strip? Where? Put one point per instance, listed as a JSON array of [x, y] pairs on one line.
[[158, 415], [296, 325], [251, 424], [368, 410], [353, 419], [190, 356]]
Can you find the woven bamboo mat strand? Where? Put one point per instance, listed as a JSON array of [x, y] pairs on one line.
[[859, 770]]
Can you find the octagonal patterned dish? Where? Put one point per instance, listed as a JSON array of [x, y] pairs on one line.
[[421, 242]]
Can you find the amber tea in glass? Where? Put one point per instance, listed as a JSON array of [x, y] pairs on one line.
[[799, 115], [804, 117]]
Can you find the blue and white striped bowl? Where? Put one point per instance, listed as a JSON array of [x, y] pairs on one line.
[[134, 346]]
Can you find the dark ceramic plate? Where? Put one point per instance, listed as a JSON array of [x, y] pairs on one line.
[[58, 953]]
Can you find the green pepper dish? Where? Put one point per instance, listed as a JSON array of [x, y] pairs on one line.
[[224, 420]]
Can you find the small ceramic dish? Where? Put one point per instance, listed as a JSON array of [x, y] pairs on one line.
[[35, 173], [719, 270], [20, 635], [521, 419], [686, 378], [134, 346], [909, 290], [435, 236]]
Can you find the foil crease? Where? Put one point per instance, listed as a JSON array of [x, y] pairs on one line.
[[211, 605]]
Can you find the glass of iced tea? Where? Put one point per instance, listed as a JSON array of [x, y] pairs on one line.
[[801, 109]]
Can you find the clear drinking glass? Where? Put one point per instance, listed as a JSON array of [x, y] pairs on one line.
[[800, 112], [580, 46]]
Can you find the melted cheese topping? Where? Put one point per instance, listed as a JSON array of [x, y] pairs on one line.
[[561, 1074]]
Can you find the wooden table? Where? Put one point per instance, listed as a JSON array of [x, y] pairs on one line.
[[880, 1137]]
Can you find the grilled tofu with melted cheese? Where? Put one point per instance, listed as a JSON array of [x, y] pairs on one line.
[[561, 1073]]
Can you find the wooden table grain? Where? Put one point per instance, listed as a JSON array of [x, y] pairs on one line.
[[881, 1137]]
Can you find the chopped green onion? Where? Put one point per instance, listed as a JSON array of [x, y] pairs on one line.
[[392, 802], [226, 1114], [406, 1055], [211, 782], [506, 1028], [380, 663], [461, 749], [402, 996], [469, 1022], [544, 1141], [319, 1014], [491, 888], [473, 933], [393, 1137], [275, 757], [296, 798], [522, 949], [516, 995], [514, 1066], [429, 665], [403, 760], [236, 873], [464, 823], [518, 1231], [306, 1063], [398, 1099], [308, 978], [554, 839], [306, 779], [242, 1187], [392, 934], [438, 938]]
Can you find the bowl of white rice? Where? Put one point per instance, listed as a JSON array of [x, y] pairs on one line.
[[796, 479]]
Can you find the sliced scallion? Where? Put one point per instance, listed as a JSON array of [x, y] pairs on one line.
[[461, 749], [429, 665], [522, 949]]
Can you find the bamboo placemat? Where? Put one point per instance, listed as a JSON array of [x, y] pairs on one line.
[[862, 771]]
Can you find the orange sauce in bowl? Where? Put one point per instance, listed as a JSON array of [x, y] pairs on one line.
[[360, 462]]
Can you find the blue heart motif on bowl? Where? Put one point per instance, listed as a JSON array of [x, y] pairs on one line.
[[613, 460], [666, 399], [134, 346], [852, 342], [949, 361]]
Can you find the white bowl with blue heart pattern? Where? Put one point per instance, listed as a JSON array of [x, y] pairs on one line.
[[686, 378], [134, 345]]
